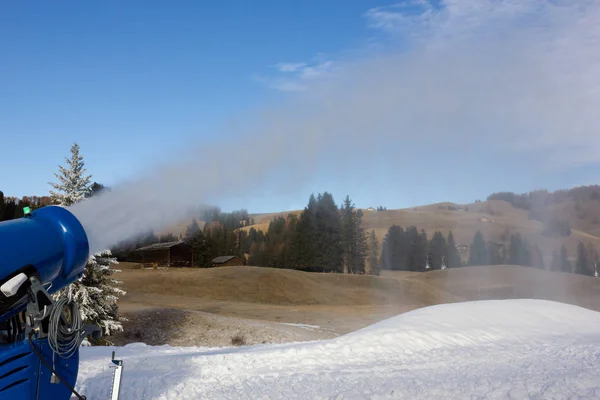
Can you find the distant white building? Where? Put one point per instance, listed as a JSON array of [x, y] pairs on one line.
[[370, 209]]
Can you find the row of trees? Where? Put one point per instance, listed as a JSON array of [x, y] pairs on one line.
[[521, 252], [11, 207], [411, 250], [539, 199], [324, 238]]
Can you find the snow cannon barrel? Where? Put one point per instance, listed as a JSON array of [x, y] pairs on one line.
[[49, 243]]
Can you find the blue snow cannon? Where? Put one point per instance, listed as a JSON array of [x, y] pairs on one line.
[[40, 254]]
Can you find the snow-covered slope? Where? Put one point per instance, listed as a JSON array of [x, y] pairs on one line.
[[489, 349]]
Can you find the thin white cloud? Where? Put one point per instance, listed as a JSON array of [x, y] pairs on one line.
[[401, 17], [289, 67], [294, 76]]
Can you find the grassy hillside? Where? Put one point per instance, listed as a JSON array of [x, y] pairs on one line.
[[496, 219], [278, 287]]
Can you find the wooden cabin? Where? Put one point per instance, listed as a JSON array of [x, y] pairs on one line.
[[167, 254], [227, 261]]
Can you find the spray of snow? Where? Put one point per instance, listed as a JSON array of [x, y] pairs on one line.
[[522, 76], [487, 349]]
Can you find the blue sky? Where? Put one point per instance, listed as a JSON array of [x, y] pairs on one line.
[[136, 82]]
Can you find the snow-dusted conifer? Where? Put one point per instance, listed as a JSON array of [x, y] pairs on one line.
[[73, 185], [96, 293]]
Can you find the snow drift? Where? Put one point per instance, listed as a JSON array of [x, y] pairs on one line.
[[484, 349]]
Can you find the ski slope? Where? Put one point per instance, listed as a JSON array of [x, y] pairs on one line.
[[513, 349]]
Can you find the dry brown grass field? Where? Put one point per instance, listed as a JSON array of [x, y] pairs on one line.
[[335, 303], [212, 304]]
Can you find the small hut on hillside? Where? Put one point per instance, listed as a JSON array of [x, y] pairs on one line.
[[169, 254], [226, 261]]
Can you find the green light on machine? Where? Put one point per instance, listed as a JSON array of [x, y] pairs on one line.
[[26, 210]]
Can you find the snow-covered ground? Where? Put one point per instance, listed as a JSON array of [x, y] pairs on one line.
[[514, 349]]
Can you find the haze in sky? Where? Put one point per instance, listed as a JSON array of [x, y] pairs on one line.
[[258, 106]]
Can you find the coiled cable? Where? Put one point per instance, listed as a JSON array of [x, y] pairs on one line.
[[65, 334]]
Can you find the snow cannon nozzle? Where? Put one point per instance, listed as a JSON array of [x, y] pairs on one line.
[[49, 244]]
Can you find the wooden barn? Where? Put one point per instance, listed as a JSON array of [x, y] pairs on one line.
[[227, 261], [169, 254]]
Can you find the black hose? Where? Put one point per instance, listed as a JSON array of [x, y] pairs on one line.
[[79, 396]]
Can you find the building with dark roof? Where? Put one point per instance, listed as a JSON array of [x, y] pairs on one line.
[[226, 261], [169, 254]]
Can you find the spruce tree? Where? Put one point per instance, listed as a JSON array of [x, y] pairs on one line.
[[73, 184], [422, 250], [96, 292], [414, 249], [200, 245], [393, 253], [592, 257], [330, 252], [354, 240], [582, 263], [304, 244], [453, 258], [519, 251], [192, 229], [478, 254], [565, 265], [514, 249], [437, 249], [374, 266]]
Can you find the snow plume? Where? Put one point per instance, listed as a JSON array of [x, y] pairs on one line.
[[520, 77]]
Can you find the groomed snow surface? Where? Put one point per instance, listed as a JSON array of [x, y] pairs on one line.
[[508, 349]]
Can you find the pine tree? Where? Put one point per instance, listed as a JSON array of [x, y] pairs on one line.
[[374, 266], [73, 184], [192, 229], [394, 250], [478, 254], [494, 254], [565, 265], [452, 259], [304, 245], [582, 263], [354, 240], [422, 251], [330, 252], [415, 258], [592, 257], [519, 251], [96, 292], [437, 249], [514, 249], [96, 189]]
